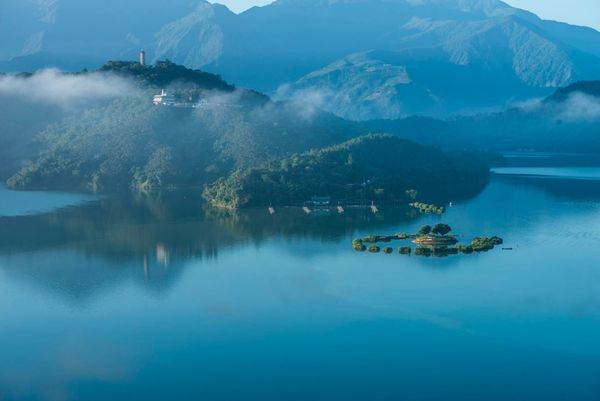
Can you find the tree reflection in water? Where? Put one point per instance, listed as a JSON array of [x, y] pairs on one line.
[[150, 237]]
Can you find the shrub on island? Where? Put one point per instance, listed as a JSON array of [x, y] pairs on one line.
[[430, 241], [423, 251], [428, 209], [373, 239], [424, 230], [405, 250], [496, 240], [441, 229], [484, 244], [466, 249]]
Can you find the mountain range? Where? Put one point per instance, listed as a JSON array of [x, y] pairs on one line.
[[360, 59]]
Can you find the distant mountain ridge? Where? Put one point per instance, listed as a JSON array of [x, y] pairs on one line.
[[76, 34], [366, 58], [589, 88], [566, 121]]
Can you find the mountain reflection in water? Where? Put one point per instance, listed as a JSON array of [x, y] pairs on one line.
[[150, 237], [148, 296]]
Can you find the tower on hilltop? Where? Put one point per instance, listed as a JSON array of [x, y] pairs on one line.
[[142, 58]]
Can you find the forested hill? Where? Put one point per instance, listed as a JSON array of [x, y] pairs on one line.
[[128, 142], [165, 73], [567, 121], [589, 88], [132, 143], [32, 101], [125, 141], [370, 168]]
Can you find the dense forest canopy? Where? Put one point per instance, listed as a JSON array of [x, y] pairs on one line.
[[48, 101], [365, 169], [132, 143], [568, 121], [121, 140], [164, 73]]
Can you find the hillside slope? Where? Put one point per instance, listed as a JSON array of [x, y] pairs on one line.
[[366, 58], [129, 142], [369, 168], [566, 121], [33, 101]]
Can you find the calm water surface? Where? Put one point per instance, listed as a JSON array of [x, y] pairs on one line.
[[13, 203], [154, 297]]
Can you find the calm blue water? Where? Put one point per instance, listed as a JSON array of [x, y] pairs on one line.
[[13, 203], [156, 298], [583, 173]]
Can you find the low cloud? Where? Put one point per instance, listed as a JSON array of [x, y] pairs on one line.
[[307, 102], [581, 107], [577, 107], [53, 87], [529, 105]]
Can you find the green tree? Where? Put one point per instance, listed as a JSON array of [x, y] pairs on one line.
[[426, 229], [441, 229]]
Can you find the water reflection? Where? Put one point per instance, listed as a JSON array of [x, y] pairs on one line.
[[574, 189], [147, 296], [149, 237], [14, 203], [169, 226]]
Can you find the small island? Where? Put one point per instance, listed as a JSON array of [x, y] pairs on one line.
[[436, 237], [429, 241]]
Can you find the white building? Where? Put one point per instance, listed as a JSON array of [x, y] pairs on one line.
[[164, 99]]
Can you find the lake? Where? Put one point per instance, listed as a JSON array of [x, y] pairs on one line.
[[157, 297]]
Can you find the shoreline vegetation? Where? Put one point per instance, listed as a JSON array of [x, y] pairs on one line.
[[375, 168], [429, 241]]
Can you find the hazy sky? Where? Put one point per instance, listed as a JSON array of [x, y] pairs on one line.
[[579, 12]]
